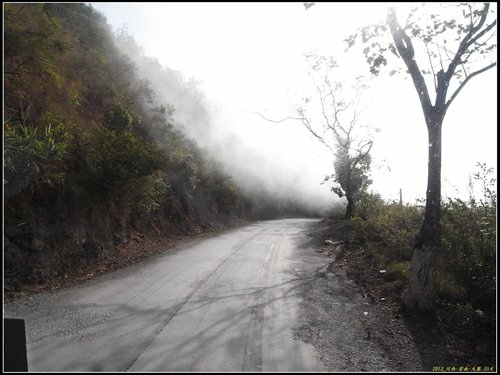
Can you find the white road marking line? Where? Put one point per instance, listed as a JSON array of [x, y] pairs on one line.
[[269, 254]]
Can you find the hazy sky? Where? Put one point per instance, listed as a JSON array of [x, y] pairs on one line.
[[249, 57]]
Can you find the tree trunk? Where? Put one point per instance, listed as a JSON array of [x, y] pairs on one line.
[[420, 293], [350, 208]]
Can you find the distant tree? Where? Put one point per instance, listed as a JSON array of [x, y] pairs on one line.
[[351, 173], [338, 127], [456, 44]]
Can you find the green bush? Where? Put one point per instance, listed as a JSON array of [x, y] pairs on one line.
[[107, 162], [223, 191], [152, 191], [467, 261], [386, 230], [468, 322], [447, 288], [184, 180], [369, 205], [466, 265], [45, 149], [118, 118]]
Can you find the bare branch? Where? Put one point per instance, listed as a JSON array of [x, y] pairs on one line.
[[362, 155], [276, 121], [309, 127], [468, 40], [467, 80], [471, 16], [439, 52], [432, 67], [360, 149], [303, 119], [323, 110]]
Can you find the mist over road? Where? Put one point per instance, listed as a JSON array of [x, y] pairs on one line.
[[228, 302]]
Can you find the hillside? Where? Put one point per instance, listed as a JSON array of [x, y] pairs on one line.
[[93, 160]]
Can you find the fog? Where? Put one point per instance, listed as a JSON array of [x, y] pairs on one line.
[[248, 57], [268, 161]]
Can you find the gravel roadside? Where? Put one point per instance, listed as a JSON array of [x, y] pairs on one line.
[[350, 330]]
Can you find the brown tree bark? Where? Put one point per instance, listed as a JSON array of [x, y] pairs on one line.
[[350, 208], [421, 288], [420, 292]]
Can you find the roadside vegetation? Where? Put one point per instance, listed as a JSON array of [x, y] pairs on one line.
[[453, 35], [94, 161], [439, 257], [93, 158], [465, 297]]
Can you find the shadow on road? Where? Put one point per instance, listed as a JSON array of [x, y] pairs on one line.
[[115, 343]]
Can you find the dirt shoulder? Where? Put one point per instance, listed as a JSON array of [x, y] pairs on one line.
[[350, 329], [407, 342]]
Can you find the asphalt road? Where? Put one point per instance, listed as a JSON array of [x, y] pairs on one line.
[[228, 302]]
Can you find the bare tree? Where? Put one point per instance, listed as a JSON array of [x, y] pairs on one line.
[[333, 117]]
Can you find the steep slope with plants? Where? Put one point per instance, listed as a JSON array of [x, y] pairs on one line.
[[92, 160]]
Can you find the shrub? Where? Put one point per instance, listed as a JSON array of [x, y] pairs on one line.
[[466, 266], [224, 192], [118, 118], [34, 155], [467, 262], [369, 205], [386, 230], [107, 162], [152, 191]]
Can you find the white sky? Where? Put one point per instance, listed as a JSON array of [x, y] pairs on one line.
[[248, 57]]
